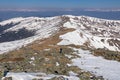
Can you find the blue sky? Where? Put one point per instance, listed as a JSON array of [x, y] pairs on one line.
[[59, 3]]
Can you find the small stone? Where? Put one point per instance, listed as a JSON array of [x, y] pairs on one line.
[[92, 77]]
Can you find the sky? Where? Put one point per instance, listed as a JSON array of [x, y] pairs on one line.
[[59, 3]]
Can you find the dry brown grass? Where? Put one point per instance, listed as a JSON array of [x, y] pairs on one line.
[[25, 53], [49, 42], [115, 42], [75, 46], [11, 59], [39, 45], [110, 55]]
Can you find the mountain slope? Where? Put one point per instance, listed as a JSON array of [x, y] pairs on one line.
[[42, 27], [90, 32], [33, 44]]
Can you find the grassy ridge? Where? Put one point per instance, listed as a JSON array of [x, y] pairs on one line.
[[110, 55]]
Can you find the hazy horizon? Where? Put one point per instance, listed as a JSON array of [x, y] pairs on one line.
[[43, 4], [59, 9]]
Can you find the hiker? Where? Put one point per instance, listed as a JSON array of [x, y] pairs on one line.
[[6, 70], [60, 50], [5, 73]]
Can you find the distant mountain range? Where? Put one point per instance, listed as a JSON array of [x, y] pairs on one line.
[[61, 9]]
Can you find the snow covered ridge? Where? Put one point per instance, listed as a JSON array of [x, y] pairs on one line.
[[43, 27], [92, 32], [97, 33]]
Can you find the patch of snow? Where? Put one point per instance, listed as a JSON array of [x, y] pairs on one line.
[[47, 59], [9, 46], [71, 78], [46, 49], [97, 43], [69, 64], [72, 38], [71, 73], [30, 76], [31, 62], [57, 64], [33, 58], [21, 76], [101, 67], [69, 56], [70, 25]]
